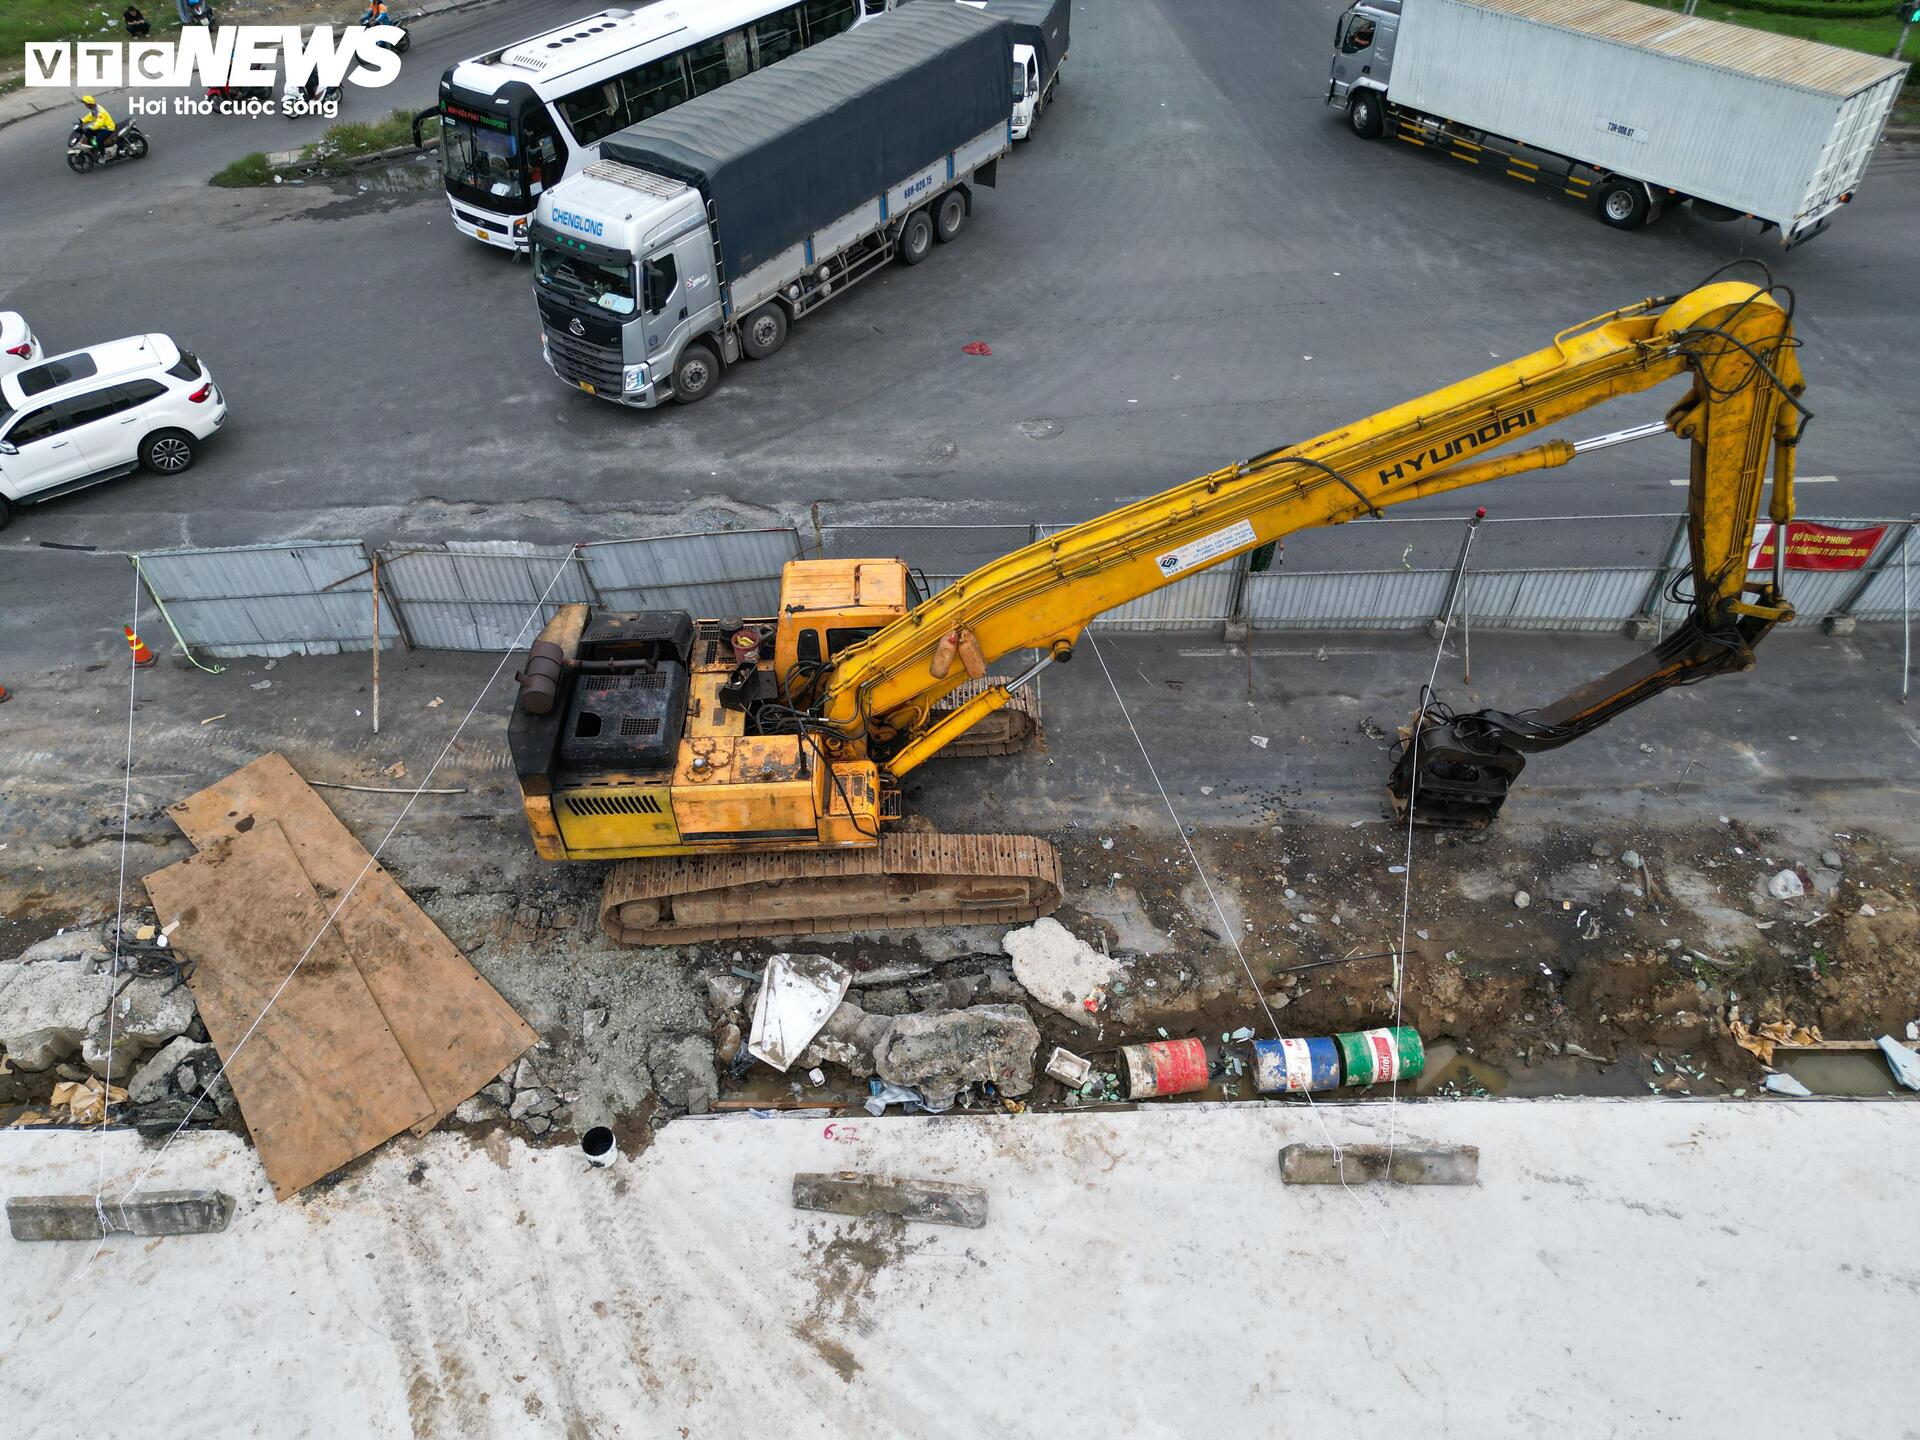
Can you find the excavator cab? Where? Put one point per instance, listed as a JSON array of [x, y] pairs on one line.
[[829, 606]]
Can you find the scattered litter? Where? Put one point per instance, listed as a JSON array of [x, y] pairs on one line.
[[1206, 789], [1646, 749], [797, 994], [211, 718], [1630, 859], [86, 1101], [881, 1094], [1107, 843], [1759, 1040], [1068, 1068], [817, 1075], [1521, 899], [1913, 1030], [396, 771], [262, 685], [1786, 886], [1781, 1083], [1904, 1063], [1396, 869], [1242, 1035], [976, 347], [1868, 911], [1259, 740], [435, 703]]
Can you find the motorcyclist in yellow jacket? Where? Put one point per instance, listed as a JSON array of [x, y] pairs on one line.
[[98, 122]]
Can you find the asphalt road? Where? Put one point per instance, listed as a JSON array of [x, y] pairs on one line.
[[1192, 261]]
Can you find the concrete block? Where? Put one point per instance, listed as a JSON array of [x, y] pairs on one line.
[[1235, 632], [1642, 628], [850, 1192], [1359, 1164], [159, 1212], [1838, 625]]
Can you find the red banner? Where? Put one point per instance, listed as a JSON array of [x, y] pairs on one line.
[[1816, 547]]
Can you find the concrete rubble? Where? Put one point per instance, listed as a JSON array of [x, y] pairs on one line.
[[940, 1052], [1060, 970]]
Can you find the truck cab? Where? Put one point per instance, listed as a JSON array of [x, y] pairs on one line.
[[1026, 90], [1363, 49], [624, 276]]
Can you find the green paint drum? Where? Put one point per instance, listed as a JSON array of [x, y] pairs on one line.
[[1377, 1057]]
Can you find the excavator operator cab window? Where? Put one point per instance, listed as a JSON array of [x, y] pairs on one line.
[[839, 640], [1359, 35]]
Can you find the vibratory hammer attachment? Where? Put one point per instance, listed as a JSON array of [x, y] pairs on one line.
[[1458, 775]]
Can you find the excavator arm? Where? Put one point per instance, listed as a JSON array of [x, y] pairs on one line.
[[1732, 339]]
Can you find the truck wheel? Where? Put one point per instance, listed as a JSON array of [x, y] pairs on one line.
[[695, 373], [1366, 115], [916, 238], [1621, 204], [764, 332], [949, 216]]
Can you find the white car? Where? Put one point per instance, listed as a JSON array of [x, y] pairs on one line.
[[87, 416], [18, 348]]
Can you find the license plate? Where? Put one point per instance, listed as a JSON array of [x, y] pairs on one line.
[[588, 388], [483, 235]]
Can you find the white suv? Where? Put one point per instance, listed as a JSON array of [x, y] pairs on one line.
[[18, 348], [87, 416]]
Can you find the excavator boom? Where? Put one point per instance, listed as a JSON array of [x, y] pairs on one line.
[[1732, 339]]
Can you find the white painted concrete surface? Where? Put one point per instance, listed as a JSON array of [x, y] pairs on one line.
[[1623, 1268]]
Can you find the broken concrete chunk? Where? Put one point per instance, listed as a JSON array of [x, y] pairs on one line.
[[1059, 969], [537, 1124], [471, 1111], [500, 1092], [158, 1212], [45, 1009], [1830, 859], [533, 1102], [1630, 859], [885, 1002], [725, 993], [150, 1011], [151, 1079], [683, 1074], [797, 994], [849, 1192], [938, 1053]]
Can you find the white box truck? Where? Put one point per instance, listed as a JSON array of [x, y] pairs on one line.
[[1041, 31], [1625, 105], [702, 234]]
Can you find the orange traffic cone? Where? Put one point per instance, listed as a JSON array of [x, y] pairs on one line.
[[142, 656]]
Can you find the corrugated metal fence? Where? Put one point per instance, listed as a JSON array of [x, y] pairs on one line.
[[318, 597]]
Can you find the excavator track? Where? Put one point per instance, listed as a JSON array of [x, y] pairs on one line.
[[1007, 731], [911, 879]]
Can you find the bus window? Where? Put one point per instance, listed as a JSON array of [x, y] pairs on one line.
[[825, 18], [652, 88], [776, 37], [717, 61], [593, 113]]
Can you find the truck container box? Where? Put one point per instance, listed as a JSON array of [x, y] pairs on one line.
[[781, 153], [1766, 125]]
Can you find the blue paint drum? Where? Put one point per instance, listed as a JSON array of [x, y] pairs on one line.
[[1293, 1066]]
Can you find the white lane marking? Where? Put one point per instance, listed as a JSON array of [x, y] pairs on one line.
[[1798, 480]]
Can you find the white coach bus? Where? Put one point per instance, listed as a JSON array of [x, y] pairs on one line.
[[518, 121]]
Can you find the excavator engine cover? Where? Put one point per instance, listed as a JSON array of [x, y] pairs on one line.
[[625, 719]]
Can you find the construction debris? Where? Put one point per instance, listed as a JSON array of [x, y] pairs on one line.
[[1068, 1068], [941, 1052], [1904, 1063], [1060, 970], [849, 1192], [340, 1023], [797, 994], [1410, 1164], [82, 1217]]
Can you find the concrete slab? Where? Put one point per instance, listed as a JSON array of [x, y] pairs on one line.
[[1615, 1258], [82, 1217]]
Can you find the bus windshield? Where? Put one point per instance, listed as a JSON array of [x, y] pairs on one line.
[[481, 157], [610, 287]]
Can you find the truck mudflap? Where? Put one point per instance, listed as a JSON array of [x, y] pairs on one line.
[[988, 173]]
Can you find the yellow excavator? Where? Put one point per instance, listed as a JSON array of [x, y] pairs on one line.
[[745, 773]]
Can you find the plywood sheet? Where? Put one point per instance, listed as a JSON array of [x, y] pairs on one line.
[[322, 1078], [457, 1031]]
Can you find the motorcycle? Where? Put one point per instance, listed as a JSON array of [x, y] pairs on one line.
[[372, 21], [310, 99], [240, 93], [126, 143], [200, 12]]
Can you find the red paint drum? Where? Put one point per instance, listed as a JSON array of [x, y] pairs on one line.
[[1165, 1067]]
